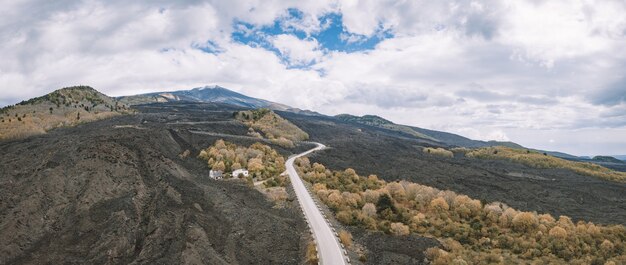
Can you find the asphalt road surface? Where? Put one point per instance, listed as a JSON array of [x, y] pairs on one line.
[[328, 247]]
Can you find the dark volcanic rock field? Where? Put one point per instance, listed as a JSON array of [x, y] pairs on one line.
[[117, 192], [394, 156]]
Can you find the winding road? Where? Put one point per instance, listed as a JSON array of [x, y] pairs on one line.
[[329, 249]]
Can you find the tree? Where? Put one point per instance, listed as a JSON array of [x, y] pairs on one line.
[[219, 166], [371, 196], [525, 221], [344, 217], [255, 164], [439, 203], [606, 248], [396, 190], [399, 229], [369, 209], [558, 232], [385, 203]]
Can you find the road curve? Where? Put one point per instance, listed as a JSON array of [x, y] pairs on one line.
[[328, 247]]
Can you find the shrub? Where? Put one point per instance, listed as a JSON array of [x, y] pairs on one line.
[[219, 166], [438, 151], [311, 253], [439, 203], [344, 217], [345, 237], [524, 221], [399, 229], [369, 209], [558, 232]]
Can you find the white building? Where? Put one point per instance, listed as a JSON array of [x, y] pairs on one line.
[[238, 172], [216, 174]]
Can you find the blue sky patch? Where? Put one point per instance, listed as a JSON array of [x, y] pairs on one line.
[[208, 47], [333, 36]]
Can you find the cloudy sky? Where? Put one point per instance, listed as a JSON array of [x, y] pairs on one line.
[[545, 74]]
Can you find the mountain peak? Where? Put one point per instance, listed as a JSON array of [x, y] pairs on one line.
[[213, 87], [209, 93]]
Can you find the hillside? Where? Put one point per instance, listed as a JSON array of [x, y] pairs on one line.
[[376, 121], [205, 94], [121, 191], [372, 150], [64, 107], [273, 127], [543, 160]]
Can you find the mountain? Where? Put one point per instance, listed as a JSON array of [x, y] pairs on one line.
[[215, 94], [64, 107]]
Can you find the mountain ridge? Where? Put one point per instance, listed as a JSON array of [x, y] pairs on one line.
[[204, 94], [219, 94]]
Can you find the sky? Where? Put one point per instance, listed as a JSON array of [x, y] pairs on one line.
[[545, 74]]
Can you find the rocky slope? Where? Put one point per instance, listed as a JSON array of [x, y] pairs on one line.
[[117, 191]]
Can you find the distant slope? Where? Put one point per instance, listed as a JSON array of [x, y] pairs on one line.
[[539, 160], [376, 121], [620, 157], [608, 159], [443, 137], [64, 107], [204, 94]]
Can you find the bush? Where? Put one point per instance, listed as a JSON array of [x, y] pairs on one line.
[[525, 221], [438, 151], [399, 229], [345, 237], [311, 253], [558, 232], [440, 204], [369, 209]]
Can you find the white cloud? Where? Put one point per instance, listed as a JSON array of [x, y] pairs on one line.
[[297, 51], [485, 69]]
